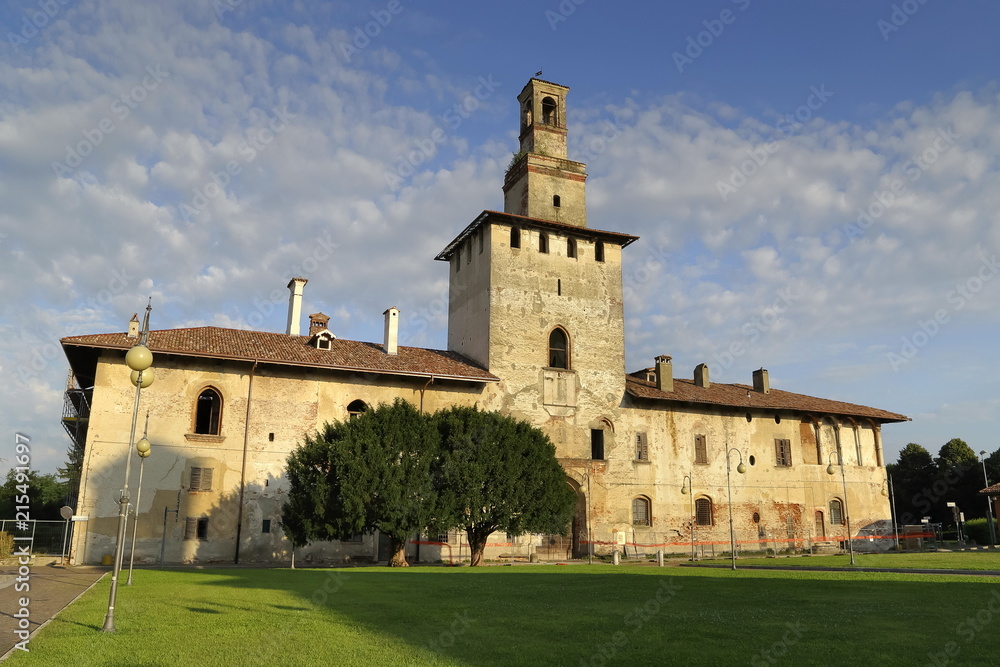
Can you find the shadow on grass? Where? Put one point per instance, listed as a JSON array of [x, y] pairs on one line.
[[599, 615]]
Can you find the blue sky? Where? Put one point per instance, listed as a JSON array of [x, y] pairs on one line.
[[816, 184]]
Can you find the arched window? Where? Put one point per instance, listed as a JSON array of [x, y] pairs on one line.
[[599, 251], [543, 243], [571, 248], [703, 514], [549, 115], [558, 348], [356, 408], [515, 237], [526, 115], [641, 515], [208, 412], [836, 512]]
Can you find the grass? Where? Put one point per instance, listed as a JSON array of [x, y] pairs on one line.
[[957, 560], [533, 615]]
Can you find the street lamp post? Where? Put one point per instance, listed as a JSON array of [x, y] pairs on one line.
[[686, 488], [143, 449], [989, 501], [729, 489], [847, 512], [892, 510], [139, 359]]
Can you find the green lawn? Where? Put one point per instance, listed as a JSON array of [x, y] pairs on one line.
[[528, 615], [957, 560]]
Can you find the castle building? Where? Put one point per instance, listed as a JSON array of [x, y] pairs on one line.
[[535, 330]]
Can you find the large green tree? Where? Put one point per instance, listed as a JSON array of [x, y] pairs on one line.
[[372, 472], [498, 473], [958, 466], [45, 494], [913, 477]]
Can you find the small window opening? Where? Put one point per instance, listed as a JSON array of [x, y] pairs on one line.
[[323, 343], [599, 251], [597, 444], [265, 526], [355, 408], [641, 447], [782, 452], [196, 528], [756, 517], [515, 237], [640, 512], [571, 248], [700, 449], [558, 349], [556, 201], [270, 437], [558, 286], [543, 243]]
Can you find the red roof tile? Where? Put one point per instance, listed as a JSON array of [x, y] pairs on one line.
[[745, 398], [350, 355]]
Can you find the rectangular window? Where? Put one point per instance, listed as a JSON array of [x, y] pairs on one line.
[[201, 479], [597, 444], [782, 452], [196, 528], [641, 447], [266, 526], [700, 449]]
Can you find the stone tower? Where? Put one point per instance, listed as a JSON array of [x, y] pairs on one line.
[[536, 296], [541, 182]]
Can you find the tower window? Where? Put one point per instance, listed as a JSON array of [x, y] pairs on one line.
[[515, 237], [543, 243], [549, 111], [556, 201], [597, 444], [355, 408], [599, 251], [558, 349], [558, 286], [571, 248], [207, 412]]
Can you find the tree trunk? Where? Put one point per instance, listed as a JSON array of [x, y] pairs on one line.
[[399, 553], [477, 553], [477, 544]]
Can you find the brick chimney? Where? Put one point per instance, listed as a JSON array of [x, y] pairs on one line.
[[317, 322], [701, 376], [760, 382], [664, 373], [295, 286], [391, 340]]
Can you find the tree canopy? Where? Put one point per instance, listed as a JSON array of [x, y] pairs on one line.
[[498, 473], [398, 471]]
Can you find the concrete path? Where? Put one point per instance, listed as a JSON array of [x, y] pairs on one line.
[[52, 588]]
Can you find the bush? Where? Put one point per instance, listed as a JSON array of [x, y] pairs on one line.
[[978, 530]]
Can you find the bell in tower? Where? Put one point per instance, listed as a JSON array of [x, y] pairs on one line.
[[541, 182]]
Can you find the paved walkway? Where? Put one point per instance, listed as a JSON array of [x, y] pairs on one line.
[[52, 588]]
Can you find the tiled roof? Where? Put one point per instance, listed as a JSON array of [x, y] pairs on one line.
[[349, 355], [991, 490], [512, 219], [744, 397]]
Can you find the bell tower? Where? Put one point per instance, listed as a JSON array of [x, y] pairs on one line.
[[542, 182]]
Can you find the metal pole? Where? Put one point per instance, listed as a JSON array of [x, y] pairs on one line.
[[729, 490], [694, 522], [135, 522], [989, 503], [65, 535], [847, 510], [892, 506], [109, 619]]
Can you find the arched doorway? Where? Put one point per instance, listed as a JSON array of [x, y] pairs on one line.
[[581, 538]]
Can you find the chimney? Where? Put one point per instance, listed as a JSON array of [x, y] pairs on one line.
[[391, 331], [664, 373], [701, 376], [318, 322], [760, 381], [133, 326], [295, 286]]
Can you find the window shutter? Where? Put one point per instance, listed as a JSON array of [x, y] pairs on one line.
[[190, 528], [641, 447], [206, 479], [195, 484]]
